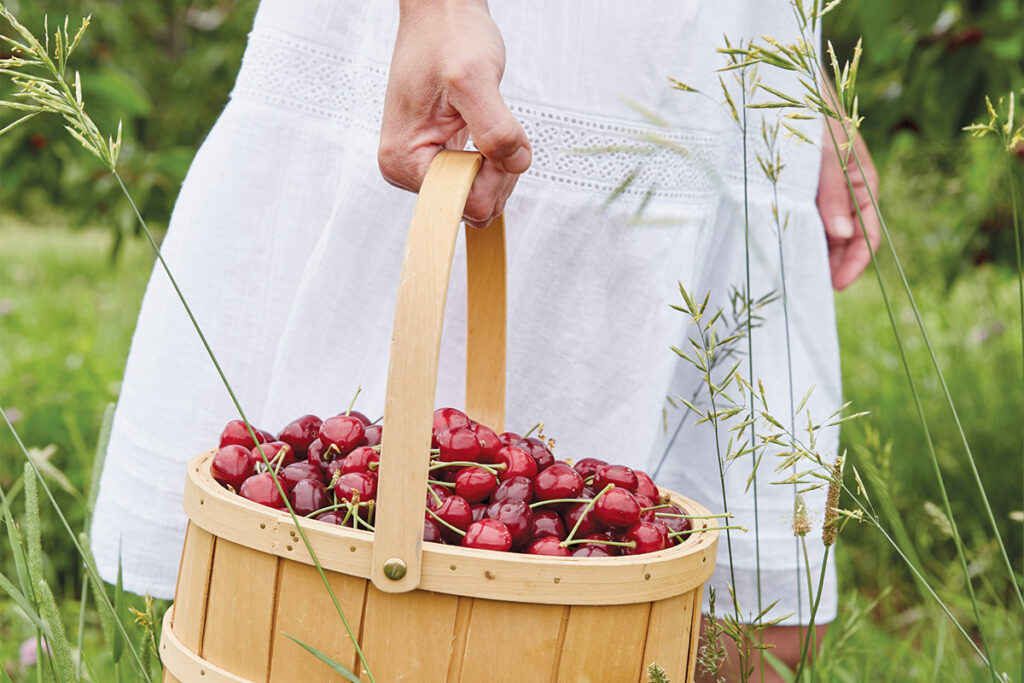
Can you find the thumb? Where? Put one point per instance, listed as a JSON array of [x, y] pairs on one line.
[[495, 131]]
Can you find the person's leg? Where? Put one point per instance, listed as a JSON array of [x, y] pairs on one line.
[[784, 641]]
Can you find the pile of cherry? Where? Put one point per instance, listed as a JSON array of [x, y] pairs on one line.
[[486, 490]]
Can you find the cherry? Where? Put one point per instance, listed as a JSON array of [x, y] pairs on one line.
[[355, 484], [538, 449], [645, 486], [342, 431], [547, 523], [593, 550], [260, 488], [459, 443], [479, 511], [590, 523], [299, 433], [237, 434], [514, 488], [372, 434], [487, 534], [232, 465], [359, 460], [441, 492], [331, 517], [587, 466], [548, 545], [333, 468], [674, 524], [272, 449], [358, 415], [448, 418], [475, 484], [557, 481], [518, 463], [645, 502], [516, 516], [455, 511], [613, 550], [617, 507], [296, 472], [509, 438], [489, 442], [620, 475], [309, 495], [648, 536], [431, 534], [315, 453]]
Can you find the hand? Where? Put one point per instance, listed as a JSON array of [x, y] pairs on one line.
[[443, 87], [848, 253]]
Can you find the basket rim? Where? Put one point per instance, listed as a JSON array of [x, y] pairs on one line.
[[513, 577]]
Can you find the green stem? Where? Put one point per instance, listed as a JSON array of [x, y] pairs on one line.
[[539, 425], [557, 500], [600, 541], [457, 530], [806, 648], [351, 403], [687, 532], [1017, 228], [586, 511]]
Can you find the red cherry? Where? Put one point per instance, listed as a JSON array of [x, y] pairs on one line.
[[674, 524], [260, 488], [518, 463], [645, 502], [648, 537], [645, 485], [488, 534], [448, 418], [315, 453], [433, 500], [296, 472], [299, 433], [514, 488], [308, 496], [371, 435], [516, 516], [455, 511], [592, 550], [431, 534], [333, 468], [590, 523], [509, 438], [264, 435], [350, 485], [587, 466], [359, 460], [459, 443], [489, 442], [557, 481], [232, 465], [475, 484], [237, 434], [617, 507], [331, 517], [342, 431], [548, 545], [272, 449], [600, 539], [359, 416], [539, 450], [479, 511], [620, 475], [547, 523]]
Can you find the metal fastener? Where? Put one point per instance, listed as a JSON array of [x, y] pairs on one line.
[[394, 569]]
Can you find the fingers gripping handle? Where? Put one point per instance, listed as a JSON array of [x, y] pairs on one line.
[[415, 349]]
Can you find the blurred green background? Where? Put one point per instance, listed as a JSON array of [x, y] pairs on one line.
[[72, 273]]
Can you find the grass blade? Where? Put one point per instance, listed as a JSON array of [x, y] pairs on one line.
[[326, 659]]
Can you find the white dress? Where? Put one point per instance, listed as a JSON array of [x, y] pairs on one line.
[[287, 243]]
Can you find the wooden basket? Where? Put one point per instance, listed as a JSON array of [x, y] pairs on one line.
[[447, 613]]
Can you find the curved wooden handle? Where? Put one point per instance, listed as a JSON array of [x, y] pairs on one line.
[[415, 348]]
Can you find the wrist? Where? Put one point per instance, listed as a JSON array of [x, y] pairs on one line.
[[417, 8]]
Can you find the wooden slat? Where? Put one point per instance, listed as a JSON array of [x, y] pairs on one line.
[[601, 643], [408, 636], [193, 586], [486, 323], [463, 614], [697, 597], [668, 637], [530, 633], [240, 610], [182, 664], [168, 678], [305, 611]]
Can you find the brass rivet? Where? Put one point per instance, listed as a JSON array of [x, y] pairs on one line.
[[647, 577], [289, 547], [452, 567], [262, 525], [557, 579], [394, 569], [352, 549]]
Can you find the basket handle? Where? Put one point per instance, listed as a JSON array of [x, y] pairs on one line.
[[415, 348]]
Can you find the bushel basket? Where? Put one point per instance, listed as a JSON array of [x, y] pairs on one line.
[[424, 612]]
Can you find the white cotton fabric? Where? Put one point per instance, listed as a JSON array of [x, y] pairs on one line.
[[287, 244]]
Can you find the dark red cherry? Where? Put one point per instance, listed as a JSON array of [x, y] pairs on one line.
[[620, 475], [674, 523], [372, 434], [645, 485], [538, 449], [439, 494], [299, 433], [548, 545], [518, 463], [618, 508], [359, 460], [431, 534], [509, 438], [298, 471], [455, 511], [359, 416], [514, 488], [333, 469], [260, 488], [590, 523], [308, 496], [272, 449], [587, 466], [645, 502], [547, 523], [557, 481], [332, 517], [237, 434], [649, 537], [599, 541], [517, 516], [315, 453], [342, 431], [458, 444], [592, 550], [232, 465], [489, 442], [488, 534], [448, 418], [475, 484], [479, 511], [360, 484]]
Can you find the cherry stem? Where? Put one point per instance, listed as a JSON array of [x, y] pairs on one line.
[[493, 469], [359, 520], [539, 425], [437, 498], [376, 449], [656, 507], [676, 534], [373, 465], [728, 515], [590, 479], [598, 541], [586, 511], [351, 403], [446, 484], [377, 420], [337, 506], [558, 500], [457, 530]]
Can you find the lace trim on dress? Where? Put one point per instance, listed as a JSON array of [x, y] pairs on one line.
[[586, 153]]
